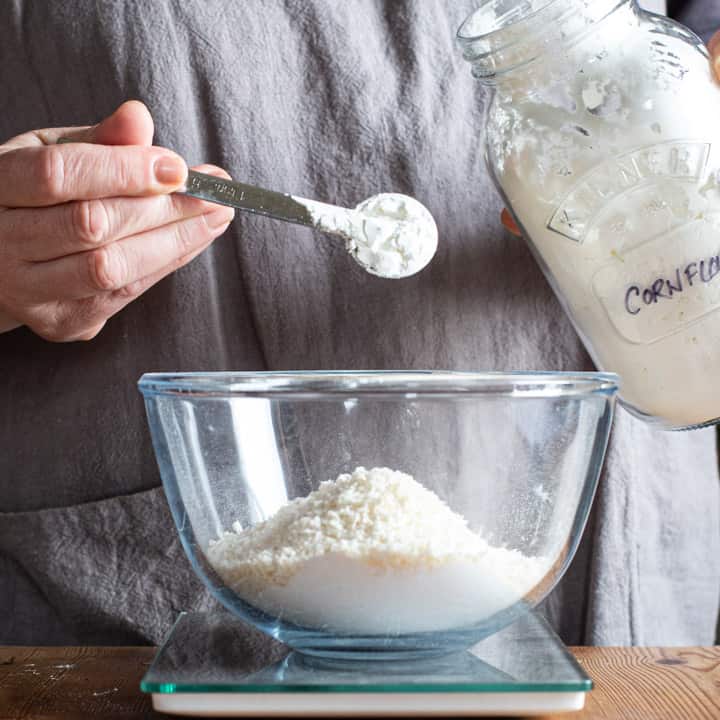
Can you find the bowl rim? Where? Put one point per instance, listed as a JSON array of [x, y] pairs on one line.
[[409, 383]]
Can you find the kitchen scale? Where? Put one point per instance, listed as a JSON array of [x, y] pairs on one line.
[[212, 664]]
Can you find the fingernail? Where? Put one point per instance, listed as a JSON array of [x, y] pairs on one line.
[[170, 170]]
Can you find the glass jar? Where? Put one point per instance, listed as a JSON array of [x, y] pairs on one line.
[[603, 137]]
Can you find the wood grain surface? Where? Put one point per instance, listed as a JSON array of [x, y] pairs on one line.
[[630, 683]]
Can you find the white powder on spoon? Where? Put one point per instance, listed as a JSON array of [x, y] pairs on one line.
[[390, 235], [372, 552]]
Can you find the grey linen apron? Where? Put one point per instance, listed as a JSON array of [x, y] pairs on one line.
[[335, 101]]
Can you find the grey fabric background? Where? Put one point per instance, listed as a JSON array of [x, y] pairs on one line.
[[701, 15], [329, 100]]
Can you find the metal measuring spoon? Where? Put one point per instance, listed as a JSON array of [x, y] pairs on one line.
[[389, 235]]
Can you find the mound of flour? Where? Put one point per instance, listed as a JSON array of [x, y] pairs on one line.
[[372, 552]]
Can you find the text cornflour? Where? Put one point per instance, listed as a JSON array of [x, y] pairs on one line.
[[665, 284]]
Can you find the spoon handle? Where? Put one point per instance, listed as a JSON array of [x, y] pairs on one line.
[[247, 197]]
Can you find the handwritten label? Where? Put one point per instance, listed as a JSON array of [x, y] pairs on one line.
[[678, 160], [664, 284]]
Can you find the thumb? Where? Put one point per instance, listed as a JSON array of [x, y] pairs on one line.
[[130, 124]]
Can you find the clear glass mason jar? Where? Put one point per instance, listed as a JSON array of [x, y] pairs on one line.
[[603, 137]]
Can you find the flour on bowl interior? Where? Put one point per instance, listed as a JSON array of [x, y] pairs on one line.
[[372, 552]]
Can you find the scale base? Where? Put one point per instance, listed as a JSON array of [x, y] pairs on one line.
[[364, 705], [213, 665]]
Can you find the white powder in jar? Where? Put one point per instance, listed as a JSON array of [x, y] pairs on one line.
[[614, 181], [372, 552]]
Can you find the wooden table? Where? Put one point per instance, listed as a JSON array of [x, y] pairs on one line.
[[630, 683]]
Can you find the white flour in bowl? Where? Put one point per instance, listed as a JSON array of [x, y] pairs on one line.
[[372, 552]]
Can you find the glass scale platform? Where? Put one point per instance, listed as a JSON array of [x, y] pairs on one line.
[[214, 665]]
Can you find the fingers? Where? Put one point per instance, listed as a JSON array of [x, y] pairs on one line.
[[37, 235], [84, 319], [91, 313], [714, 48], [509, 223], [70, 297], [43, 176], [114, 266]]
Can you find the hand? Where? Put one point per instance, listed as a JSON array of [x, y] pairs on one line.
[[713, 47], [509, 223], [86, 227]]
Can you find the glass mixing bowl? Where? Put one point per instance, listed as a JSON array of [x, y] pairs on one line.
[[511, 462]]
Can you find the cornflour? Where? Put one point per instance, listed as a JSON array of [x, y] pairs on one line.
[[390, 235], [608, 152], [372, 552]]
